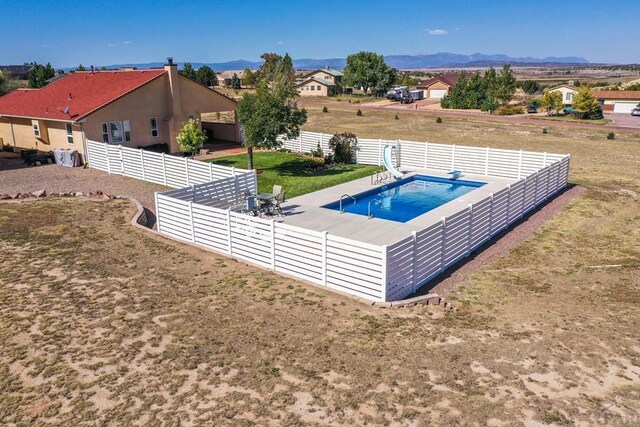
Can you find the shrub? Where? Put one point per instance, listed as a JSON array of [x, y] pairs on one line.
[[509, 110], [439, 120], [338, 99], [397, 118], [545, 130], [325, 109], [359, 112], [8, 148], [356, 101], [191, 137], [343, 145], [611, 135], [317, 152]]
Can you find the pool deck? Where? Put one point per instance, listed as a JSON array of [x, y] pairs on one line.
[[306, 211]]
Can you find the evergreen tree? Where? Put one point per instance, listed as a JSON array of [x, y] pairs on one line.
[[81, 68], [206, 76], [585, 105], [40, 74], [235, 82], [188, 71]]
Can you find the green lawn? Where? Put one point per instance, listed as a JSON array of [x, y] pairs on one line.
[[297, 174]]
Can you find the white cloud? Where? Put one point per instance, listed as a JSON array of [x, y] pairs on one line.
[[280, 42], [436, 31], [111, 44], [127, 42]]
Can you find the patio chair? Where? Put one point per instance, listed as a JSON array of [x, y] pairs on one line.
[[277, 189], [279, 200], [251, 207]]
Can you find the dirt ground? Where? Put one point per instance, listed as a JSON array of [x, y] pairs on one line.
[[103, 323]]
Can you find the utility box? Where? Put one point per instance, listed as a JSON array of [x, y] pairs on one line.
[[417, 94]]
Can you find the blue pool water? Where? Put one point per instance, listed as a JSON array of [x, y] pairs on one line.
[[406, 199]]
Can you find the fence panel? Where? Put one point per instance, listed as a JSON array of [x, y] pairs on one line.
[[251, 238], [439, 156], [471, 159], [429, 252], [211, 227], [481, 223], [174, 218], [368, 152], [355, 267], [400, 269], [299, 252], [114, 154], [456, 235], [504, 163], [412, 154]]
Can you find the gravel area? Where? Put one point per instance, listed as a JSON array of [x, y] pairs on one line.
[[500, 245], [15, 177]]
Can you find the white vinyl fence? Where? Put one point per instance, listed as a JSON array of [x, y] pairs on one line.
[[198, 212], [170, 171]]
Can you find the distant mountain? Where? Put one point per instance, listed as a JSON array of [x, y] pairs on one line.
[[401, 62]]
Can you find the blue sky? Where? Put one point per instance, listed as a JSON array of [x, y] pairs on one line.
[[67, 33]]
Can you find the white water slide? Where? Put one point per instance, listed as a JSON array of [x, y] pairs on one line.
[[386, 158]]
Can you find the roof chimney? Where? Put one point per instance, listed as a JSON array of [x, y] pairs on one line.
[[170, 61]]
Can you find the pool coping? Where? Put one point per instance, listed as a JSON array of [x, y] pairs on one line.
[[306, 211]]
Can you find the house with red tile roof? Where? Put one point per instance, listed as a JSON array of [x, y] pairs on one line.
[[439, 86], [618, 101], [133, 108]]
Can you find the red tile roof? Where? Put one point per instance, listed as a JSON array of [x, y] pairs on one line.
[[450, 79], [83, 92], [617, 94]]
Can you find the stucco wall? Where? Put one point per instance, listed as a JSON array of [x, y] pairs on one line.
[[322, 92], [54, 135]]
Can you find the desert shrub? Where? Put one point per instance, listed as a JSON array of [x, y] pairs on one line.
[[545, 130], [397, 118], [439, 120], [611, 135], [359, 112], [325, 109], [342, 145], [338, 99], [7, 148], [355, 101], [509, 110]]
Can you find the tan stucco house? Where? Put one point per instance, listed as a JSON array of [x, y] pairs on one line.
[[132, 108], [568, 93], [439, 86], [323, 82], [618, 101]]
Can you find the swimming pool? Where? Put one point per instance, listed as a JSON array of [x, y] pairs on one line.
[[407, 198]]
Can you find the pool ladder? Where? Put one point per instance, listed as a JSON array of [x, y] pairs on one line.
[[373, 201], [342, 198]]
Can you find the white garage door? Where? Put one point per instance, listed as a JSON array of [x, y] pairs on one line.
[[624, 107], [437, 93]]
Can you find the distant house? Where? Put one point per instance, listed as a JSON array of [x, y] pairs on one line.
[[130, 108], [225, 77], [568, 92], [439, 86], [323, 82], [617, 101], [18, 72]]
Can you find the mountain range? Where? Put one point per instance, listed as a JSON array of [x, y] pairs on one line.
[[401, 62]]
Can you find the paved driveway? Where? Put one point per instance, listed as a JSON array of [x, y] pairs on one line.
[[624, 120], [15, 177]]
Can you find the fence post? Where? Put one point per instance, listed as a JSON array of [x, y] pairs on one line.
[[443, 220], [300, 142], [426, 150], [229, 231], [106, 153], [193, 232], [210, 172], [186, 171], [486, 164], [273, 244], [524, 197], [144, 175], [124, 173], [453, 158], [470, 229], [155, 196], [544, 159], [558, 183], [491, 215], [164, 170], [508, 203], [414, 285], [380, 153], [520, 166], [324, 257], [385, 269], [321, 141]]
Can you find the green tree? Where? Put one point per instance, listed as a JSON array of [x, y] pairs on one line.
[[342, 145], [235, 82], [249, 77], [103, 68], [585, 105], [368, 71], [191, 137], [552, 102], [271, 111], [40, 74], [206, 76], [188, 71], [81, 68], [505, 86], [4, 85], [530, 87]]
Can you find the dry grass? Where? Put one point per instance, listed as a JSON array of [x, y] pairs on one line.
[[102, 323]]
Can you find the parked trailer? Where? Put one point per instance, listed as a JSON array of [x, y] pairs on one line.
[[396, 94], [417, 94]]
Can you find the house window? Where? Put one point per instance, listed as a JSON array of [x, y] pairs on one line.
[[318, 87], [313, 87], [36, 129], [568, 96], [115, 131], [69, 133], [127, 130], [105, 132], [154, 127]]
